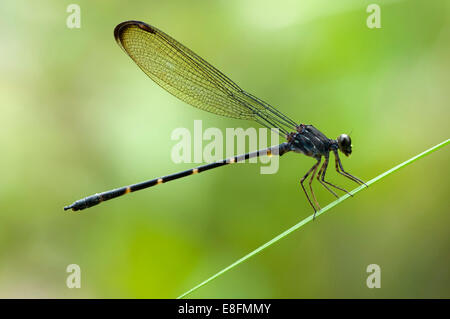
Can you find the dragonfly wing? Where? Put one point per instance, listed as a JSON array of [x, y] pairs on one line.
[[187, 76]]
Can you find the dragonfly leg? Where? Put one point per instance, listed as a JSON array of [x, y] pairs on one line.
[[310, 183], [319, 173], [304, 178], [340, 170], [323, 181]]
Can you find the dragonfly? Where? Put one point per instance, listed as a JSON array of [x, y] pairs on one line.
[[190, 78]]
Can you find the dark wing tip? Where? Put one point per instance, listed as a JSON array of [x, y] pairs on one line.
[[121, 27]]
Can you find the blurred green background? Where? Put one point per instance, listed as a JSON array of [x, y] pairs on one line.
[[79, 117]]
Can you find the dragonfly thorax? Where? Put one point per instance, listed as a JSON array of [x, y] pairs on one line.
[[310, 141]]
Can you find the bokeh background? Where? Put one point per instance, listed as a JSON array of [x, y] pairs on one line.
[[79, 117]]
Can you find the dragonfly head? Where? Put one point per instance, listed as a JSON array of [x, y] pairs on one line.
[[345, 144]]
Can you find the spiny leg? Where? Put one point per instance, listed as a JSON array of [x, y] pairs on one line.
[[344, 173], [303, 179], [324, 166], [337, 161], [321, 172], [310, 183], [322, 180]]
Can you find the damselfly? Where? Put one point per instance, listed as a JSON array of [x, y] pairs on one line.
[[193, 80]]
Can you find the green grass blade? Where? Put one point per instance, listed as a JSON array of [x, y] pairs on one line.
[[310, 218]]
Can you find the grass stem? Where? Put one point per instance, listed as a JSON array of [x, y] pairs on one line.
[[310, 218]]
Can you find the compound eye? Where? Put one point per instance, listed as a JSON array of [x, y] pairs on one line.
[[344, 140]]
